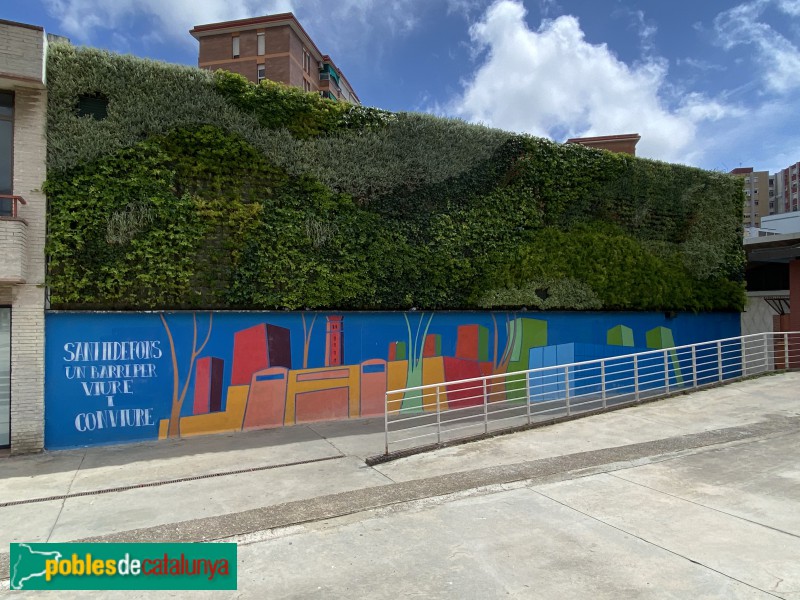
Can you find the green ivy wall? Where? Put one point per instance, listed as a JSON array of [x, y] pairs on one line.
[[202, 190]]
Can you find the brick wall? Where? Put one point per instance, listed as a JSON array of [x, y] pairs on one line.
[[28, 300], [22, 51], [215, 53], [13, 249]]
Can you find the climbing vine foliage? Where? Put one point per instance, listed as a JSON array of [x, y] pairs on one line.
[[202, 190]]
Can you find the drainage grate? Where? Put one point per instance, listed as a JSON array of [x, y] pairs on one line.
[[137, 486]]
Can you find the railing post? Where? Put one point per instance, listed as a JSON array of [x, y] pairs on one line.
[[694, 366], [386, 421], [438, 418], [603, 382], [786, 350], [485, 409], [666, 372], [566, 383], [719, 359], [766, 353], [528, 395], [744, 357], [636, 377]]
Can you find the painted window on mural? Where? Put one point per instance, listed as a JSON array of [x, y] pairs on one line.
[[5, 376], [6, 150]]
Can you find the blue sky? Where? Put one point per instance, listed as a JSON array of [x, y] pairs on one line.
[[709, 83]]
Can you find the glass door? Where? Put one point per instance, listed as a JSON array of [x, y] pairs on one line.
[[5, 377]]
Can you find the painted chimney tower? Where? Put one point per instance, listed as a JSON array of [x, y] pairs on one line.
[[334, 341]]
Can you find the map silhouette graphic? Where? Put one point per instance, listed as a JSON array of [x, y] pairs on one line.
[[29, 564]]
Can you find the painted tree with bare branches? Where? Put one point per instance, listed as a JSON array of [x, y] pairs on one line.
[[174, 429], [497, 386], [307, 330]]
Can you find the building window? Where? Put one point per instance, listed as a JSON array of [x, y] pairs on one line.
[[262, 46], [306, 61], [93, 105], [236, 47], [5, 377], [262, 73], [6, 151], [306, 85]]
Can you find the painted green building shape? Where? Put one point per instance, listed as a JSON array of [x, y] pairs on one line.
[[620, 336], [660, 338], [483, 343], [433, 345], [523, 334], [400, 351]]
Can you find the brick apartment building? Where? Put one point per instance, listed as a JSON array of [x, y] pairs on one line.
[[23, 148], [759, 190], [274, 47], [786, 188]]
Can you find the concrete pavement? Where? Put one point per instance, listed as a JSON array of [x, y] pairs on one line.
[[730, 450]]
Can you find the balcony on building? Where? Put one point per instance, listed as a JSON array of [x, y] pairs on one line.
[[13, 240], [329, 95]]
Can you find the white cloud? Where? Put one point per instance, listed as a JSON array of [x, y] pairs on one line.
[[778, 56], [171, 20], [464, 7], [646, 29], [790, 7], [702, 65], [553, 81], [80, 19]]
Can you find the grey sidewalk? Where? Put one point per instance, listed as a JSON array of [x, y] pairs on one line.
[[337, 481]]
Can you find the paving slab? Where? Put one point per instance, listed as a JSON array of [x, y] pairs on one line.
[[28, 522], [758, 481], [150, 506], [759, 556], [47, 474], [361, 438], [193, 457]]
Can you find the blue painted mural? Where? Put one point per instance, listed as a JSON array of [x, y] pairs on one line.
[[120, 377]]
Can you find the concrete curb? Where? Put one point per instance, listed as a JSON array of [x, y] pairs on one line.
[[346, 503]]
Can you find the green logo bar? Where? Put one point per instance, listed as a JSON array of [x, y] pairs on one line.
[[123, 567]]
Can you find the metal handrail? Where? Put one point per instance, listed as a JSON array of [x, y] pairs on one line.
[[585, 362], [14, 201], [577, 387]]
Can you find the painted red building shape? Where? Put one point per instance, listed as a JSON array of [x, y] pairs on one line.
[[334, 341], [208, 385], [433, 345], [472, 342], [461, 395], [266, 399], [373, 387], [258, 348], [397, 351]]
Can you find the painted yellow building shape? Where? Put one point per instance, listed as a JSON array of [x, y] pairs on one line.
[[219, 422]]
